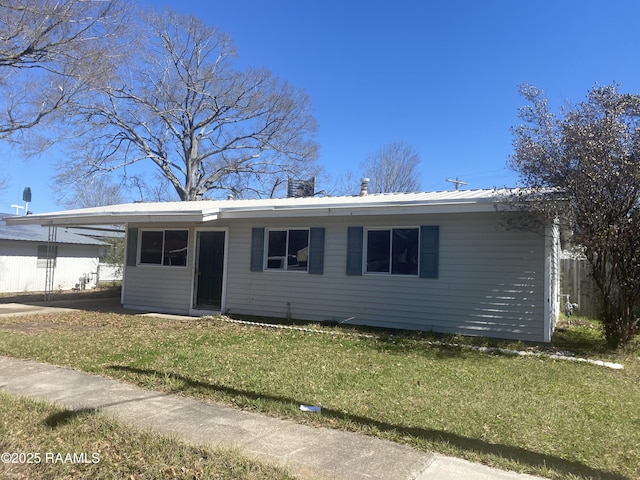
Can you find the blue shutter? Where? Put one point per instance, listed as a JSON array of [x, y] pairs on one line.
[[354, 250], [429, 251], [132, 247], [316, 251], [257, 249]]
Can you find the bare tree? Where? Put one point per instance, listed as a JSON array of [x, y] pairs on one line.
[[4, 183], [51, 51], [392, 168], [348, 183], [591, 156], [94, 192], [183, 108]]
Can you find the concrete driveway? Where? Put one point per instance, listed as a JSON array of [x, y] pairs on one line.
[[107, 304]]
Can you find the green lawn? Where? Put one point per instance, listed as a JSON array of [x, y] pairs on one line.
[[533, 414], [62, 444]]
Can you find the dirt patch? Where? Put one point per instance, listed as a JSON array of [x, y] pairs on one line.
[[30, 327], [57, 321]]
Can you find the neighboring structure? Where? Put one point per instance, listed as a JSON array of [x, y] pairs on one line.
[[23, 258], [440, 261], [111, 263], [579, 290]]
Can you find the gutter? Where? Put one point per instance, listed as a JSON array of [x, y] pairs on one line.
[[112, 218], [352, 212], [348, 209]]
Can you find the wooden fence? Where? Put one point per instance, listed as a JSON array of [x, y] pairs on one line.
[[576, 282]]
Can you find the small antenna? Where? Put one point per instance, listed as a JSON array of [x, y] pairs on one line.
[[457, 182], [26, 197], [18, 208]]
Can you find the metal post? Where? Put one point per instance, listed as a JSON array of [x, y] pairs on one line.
[[51, 263]]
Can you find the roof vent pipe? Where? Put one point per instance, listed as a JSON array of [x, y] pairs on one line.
[[364, 187]]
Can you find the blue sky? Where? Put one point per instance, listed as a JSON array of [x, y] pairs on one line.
[[441, 76]]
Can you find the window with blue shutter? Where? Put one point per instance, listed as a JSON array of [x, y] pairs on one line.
[[392, 251], [408, 251], [299, 250]]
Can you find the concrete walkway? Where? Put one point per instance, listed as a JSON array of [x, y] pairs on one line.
[[312, 453]]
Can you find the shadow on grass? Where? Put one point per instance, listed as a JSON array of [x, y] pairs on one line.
[[63, 417], [474, 445]]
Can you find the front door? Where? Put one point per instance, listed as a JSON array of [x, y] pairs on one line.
[[210, 271]]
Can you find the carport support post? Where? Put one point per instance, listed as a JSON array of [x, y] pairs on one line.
[[51, 263]]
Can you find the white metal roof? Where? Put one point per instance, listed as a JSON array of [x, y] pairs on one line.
[[210, 210]]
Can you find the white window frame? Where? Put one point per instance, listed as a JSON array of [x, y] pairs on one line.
[[161, 264], [285, 259], [365, 253]]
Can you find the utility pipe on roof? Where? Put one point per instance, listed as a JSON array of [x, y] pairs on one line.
[[364, 187]]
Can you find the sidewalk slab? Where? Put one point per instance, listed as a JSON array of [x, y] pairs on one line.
[[450, 468]]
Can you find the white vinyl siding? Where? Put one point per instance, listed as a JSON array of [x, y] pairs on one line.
[[491, 281], [161, 290], [552, 280], [20, 272], [160, 287]]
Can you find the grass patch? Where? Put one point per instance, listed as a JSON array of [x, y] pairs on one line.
[[585, 336], [531, 414], [66, 444]]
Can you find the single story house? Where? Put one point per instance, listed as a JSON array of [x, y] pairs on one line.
[[24, 252], [436, 261]]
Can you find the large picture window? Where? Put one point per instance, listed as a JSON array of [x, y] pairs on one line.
[[287, 250], [393, 251], [164, 247]]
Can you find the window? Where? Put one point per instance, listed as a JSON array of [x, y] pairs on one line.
[[395, 251], [164, 247], [300, 249], [392, 251], [41, 262], [287, 250]]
